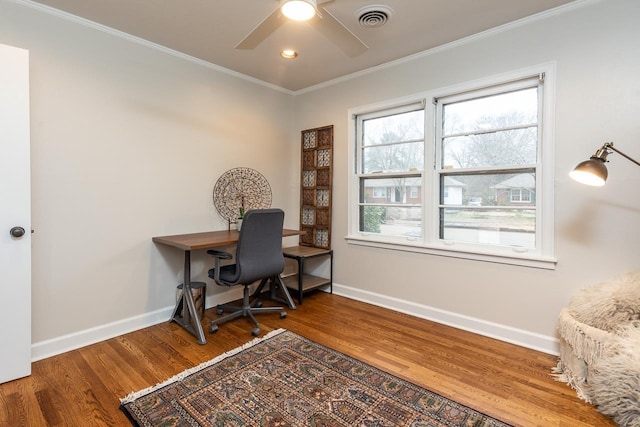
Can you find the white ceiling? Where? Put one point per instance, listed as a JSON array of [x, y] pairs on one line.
[[210, 30]]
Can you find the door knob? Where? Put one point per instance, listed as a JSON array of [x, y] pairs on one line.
[[17, 232]]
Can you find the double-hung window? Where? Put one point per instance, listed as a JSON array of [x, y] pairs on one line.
[[487, 143], [466, 174], [390, 163]]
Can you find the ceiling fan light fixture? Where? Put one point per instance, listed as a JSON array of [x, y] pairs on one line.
[[298, 10], [289, 54]]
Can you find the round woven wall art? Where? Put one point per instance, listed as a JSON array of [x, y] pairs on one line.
[[241, 187]]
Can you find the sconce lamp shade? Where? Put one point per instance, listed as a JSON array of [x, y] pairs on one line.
[[590, 172], [298, 10], [593, 171]]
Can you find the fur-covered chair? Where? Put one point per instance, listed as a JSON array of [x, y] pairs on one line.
[[600, 347]]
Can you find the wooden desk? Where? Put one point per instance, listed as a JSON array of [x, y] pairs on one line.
[[188, 243]]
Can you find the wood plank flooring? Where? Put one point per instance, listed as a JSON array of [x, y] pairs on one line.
[[83, 387]]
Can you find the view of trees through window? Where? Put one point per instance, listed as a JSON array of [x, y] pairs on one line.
[[489, 151], [486, 167], [392, 162]]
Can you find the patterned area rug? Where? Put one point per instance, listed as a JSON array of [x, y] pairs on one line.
[[284, 379]]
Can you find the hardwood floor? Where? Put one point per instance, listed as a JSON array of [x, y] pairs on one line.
[[83, 387]]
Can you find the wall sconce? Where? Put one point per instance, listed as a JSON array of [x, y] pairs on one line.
[[593, 171]]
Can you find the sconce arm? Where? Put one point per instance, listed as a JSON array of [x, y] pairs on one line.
[[609, 146]]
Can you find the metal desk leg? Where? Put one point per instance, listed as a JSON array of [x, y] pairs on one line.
[[189, 313], [300, 273], [331, 270]]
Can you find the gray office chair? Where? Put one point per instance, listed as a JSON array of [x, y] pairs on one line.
[[258, 257]]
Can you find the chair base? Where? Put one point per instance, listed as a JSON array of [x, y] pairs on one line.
[[247, 310], [276, 284]]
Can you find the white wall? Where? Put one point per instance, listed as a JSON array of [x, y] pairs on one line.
[[595, 47], [127, 143]]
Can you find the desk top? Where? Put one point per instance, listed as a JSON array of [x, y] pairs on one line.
[[209, 239]]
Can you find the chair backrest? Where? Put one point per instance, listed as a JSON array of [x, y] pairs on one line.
[[259, 249]]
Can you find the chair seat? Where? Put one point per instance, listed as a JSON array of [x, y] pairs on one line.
[[227, 274]]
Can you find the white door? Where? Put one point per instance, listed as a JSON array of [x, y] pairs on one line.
[[15, 215]]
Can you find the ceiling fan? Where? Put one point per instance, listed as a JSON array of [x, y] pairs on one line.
[[318, 17]]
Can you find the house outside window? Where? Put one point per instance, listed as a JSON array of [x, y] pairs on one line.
[[487, 192], [519, 190], [520, 195], [380, 192], [414, 192], [390, 156]]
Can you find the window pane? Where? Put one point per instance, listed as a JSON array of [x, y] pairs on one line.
[[501, 111], [497, 189], [393, 158], [391, 190], [495, 131], [391, 220], [502, 148], [506, 227], [395, 128]]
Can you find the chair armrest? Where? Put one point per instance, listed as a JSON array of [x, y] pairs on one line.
[[218, 255]]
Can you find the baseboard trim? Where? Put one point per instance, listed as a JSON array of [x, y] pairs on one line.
[[543, 343], [550, 345], [52, 347], [58, 345]]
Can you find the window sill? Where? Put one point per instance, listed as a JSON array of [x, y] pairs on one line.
[[515, 258]]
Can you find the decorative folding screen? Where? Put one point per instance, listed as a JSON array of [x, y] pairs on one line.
[[315, 192]]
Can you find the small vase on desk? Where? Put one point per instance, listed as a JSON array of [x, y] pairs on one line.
[[241, 211]]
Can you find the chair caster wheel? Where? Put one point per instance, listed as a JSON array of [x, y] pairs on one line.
[[255, 332], [219, 311], [283, 314], [259, 304], [213, 329]]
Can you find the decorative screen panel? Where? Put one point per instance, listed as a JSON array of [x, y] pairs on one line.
[[316, 181]]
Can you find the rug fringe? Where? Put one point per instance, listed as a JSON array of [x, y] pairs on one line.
[[182, 375]]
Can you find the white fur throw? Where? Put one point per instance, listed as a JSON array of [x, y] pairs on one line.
[[600, 347], [614, 383], [610, 305]]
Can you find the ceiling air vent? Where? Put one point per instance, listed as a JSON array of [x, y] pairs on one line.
[[374, 16]]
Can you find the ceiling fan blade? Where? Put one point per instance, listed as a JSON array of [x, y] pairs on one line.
[[262, 31], [340, 35]]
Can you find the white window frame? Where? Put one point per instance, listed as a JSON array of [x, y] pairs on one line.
[[540, 257]]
